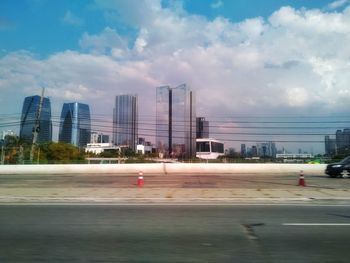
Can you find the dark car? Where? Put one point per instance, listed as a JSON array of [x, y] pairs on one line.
[[336, 169]]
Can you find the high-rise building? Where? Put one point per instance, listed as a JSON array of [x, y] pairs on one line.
[[176, 122], [202, 128], [30, 111], [125, 121], [243, 150], [267, 149], [330, 146], [75, 125]]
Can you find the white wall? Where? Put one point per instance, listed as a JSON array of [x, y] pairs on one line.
[[163, 168]]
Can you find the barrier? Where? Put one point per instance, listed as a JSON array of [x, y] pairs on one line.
[[164, 168]]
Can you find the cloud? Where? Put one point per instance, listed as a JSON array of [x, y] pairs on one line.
[[217, 4], [107, 42], [71, 19], [337, 4]]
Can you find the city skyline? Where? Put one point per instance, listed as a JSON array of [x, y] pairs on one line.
[[262, 71]]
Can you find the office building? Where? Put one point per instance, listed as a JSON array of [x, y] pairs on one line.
[[330, 146], [202, 128], [243, 150], [30, 111], [176, 122], [75, 125], [267, 149], [125, 121]]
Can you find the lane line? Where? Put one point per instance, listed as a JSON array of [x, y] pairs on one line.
[[316, 224]]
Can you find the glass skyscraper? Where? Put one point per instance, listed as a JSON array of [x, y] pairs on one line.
[[75, 125], [125, 121], [176, 121], [30, 110]]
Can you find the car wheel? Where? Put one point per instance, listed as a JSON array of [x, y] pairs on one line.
[[333, 175]]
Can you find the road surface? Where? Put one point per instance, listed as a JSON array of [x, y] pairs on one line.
[[174, 233]]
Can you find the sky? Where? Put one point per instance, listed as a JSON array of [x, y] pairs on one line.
[[261, 70]]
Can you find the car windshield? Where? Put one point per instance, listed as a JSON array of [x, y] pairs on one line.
[[345, 160]]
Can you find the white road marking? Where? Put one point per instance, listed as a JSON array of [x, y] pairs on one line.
[[316, 224]]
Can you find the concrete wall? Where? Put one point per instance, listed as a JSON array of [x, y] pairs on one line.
[[163, 168]]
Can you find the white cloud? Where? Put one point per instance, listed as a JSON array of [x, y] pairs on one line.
[[71, 19], [337, 4], [217, 4], [103, 43]]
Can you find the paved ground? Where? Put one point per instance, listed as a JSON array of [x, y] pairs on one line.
[[172, 188], [163, 233]]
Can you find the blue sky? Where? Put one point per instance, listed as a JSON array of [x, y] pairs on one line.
[[44, 26], [241, 57]]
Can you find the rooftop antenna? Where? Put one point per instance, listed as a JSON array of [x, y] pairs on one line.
[[36, 128]]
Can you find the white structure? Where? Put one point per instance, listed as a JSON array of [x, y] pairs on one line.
[[98, 148], [6, 133], [294, 155], [98, 137], [209, 148], [143, 149]]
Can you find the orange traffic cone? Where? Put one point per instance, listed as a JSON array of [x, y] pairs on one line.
[[301, 179], [140, 181]]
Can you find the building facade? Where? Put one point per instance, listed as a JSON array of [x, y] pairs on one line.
[[98, 137], [176, 122], [202, 128], [75, 125], [30, 111], [125, 121]]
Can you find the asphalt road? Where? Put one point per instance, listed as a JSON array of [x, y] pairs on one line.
[[174, 233], [265, 181]]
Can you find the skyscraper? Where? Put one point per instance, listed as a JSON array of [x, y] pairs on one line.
[[125, 121], [30, 111], [202, 127], [176, 121], [75, 126]]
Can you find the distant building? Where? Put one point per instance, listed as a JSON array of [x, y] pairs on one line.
[[202, 128], [339, 145], [267, 149], [125, 121], [254, 151], [30, 110], [75, 125], [98, 148], [330, 146], [243, 150], [97, 137], [176, 122]]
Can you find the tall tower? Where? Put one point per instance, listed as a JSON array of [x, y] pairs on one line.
[[75, 126], [28, 117], [202, 128], [176, 121], [125, 121]]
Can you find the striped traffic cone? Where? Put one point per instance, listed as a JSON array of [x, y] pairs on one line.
[[301, 179], [140, 181]]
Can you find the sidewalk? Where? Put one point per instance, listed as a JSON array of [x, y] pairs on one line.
[[168, 195]]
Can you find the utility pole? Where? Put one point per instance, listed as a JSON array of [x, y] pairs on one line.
[[36, 128]]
